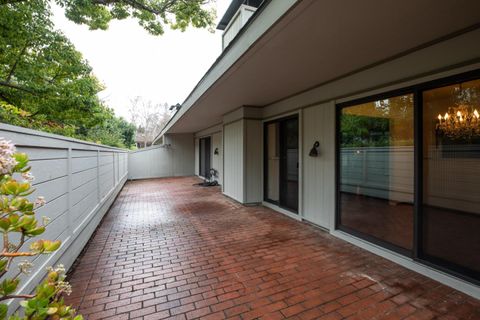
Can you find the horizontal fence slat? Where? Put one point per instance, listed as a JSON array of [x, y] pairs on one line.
[[73, 216]]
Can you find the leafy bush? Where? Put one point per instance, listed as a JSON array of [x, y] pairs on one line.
[[112, 131], [18, 224]]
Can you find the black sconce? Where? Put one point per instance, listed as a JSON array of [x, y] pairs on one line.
[[314, 151], [216, 151]]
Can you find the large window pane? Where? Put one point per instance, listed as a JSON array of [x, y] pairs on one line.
[[289, 193], [451, 175], [377, 170], [273, 162], [204, 157]]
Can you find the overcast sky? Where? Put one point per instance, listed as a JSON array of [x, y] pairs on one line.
[[130, 62]]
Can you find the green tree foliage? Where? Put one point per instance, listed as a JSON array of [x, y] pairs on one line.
[[364, 131], [381, 123], [153, 15], [40, 70], [114, 131], [45, 83]]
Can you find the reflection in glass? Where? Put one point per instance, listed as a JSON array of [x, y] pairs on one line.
[[273, 162], [281, 167], [289, 194], [451, 175], [377, 170], [204, 156]]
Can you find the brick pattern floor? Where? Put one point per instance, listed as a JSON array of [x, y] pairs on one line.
[[171, 250]]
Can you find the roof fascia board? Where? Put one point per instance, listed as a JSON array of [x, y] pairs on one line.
[[263, 19]]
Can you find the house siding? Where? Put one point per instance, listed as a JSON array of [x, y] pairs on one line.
[[319, 172], [234, 160], [217, 159]]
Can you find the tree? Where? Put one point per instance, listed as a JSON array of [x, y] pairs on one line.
[[45, 83], [114, 131], [40, 70], [153, 15], [149, 119]]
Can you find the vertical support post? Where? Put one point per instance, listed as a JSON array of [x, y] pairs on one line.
[[418, 174], [300, 164], [99, 197], [69, 190], [118, 167], [114, 172]]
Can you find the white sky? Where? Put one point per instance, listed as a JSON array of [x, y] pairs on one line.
[[130, 62]]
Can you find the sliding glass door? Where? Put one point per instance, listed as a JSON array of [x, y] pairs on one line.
[[281, 163], [408, 172], [376, 170], [205, 156], [451, 176]]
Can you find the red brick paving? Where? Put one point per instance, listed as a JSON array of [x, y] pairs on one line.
[[170, 250]]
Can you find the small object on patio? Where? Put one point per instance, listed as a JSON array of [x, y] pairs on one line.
[[210, 180]]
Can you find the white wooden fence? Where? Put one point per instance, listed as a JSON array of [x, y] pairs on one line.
[[175, 158], [79, 181], [387, 173], [382, 172]]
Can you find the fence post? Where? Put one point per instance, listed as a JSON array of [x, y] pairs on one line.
[[69, 190], [99, 197]]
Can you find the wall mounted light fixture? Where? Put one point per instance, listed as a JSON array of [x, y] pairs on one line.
[[216, 151], [314, 151]]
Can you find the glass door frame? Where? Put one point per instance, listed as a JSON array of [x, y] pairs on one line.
[[416, 253], [203, 156], [282, 171]]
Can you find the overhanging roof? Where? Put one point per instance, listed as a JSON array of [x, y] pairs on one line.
[[290, 46]]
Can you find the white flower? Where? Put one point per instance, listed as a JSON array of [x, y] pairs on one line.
[[60, 269], [45, 220], [25, 266], [64, 287], [7, 147], [7, 162], [28, 176], [40, 201]]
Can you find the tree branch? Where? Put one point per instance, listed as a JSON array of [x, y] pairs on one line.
[[12, 69], [3, 2], [14, 86], [17, 296], [17, 254], [138, 5]]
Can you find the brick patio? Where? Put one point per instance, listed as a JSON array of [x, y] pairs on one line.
[[170, 250]]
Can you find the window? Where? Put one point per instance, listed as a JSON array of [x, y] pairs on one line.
[[408, 172], [376, 160], [451, 175]]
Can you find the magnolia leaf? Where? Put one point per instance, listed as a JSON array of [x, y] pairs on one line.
[[51, 246], [37, 246], [3, 311], [8, 286], [35, 232], [52, 310], [4, 224], [3, 264], [10, 187], [13, 218]]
